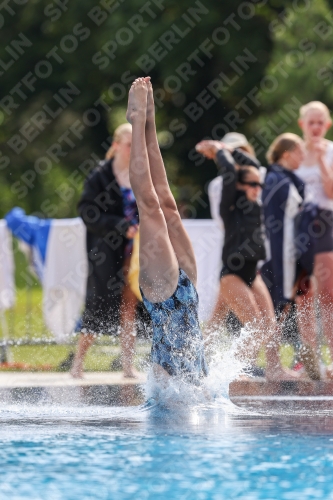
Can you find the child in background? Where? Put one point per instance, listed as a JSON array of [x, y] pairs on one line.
[[286, 275]]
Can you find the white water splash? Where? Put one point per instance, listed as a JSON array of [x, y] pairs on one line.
[[224, 367]]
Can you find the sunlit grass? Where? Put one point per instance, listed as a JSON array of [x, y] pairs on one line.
[[25, 322]]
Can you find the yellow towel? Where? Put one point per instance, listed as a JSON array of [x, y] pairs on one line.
[[133, 272]]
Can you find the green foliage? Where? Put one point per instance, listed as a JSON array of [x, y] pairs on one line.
[[64, 57], [67, 67], [300, 71]]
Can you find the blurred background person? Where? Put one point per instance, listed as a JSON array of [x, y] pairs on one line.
[[234, 141], [287, 271], [242, 290], [316, 171], [222, 316], [108, 209]]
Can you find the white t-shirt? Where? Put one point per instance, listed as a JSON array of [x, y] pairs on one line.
[[311, 175]]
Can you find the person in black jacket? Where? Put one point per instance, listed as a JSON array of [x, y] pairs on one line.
[[108, 209], [242, 288]]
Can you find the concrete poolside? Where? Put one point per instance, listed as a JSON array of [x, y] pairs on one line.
[[111, 388], [11, 380], [96, 388], [246, 386], [253, 387], [289, 396]]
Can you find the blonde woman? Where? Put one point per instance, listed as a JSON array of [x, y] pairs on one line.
[[316, 171], [108, 209]]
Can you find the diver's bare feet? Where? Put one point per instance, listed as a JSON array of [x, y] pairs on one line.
[[150, 103], [137, 101]]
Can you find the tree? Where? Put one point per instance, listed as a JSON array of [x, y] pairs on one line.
[[301, 70], [67, 67]]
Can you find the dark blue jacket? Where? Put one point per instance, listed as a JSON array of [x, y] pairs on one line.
[[282, 197]]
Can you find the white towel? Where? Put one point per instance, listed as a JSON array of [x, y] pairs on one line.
[[65, 276], [65, 272], [206, 236], [7, 279]]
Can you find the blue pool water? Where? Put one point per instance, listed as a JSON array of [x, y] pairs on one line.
[[215, 452]]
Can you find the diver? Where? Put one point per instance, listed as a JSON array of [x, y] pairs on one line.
[[168, 271]]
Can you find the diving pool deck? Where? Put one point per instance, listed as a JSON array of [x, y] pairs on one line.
[[12, 380], [111, 388], [96, 388]]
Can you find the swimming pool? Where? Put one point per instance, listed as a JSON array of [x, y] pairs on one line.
[[215, 452]]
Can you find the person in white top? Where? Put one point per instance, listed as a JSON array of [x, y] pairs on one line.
[[317, 173]]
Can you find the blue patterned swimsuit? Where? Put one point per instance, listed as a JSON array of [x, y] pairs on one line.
[[177, 338]]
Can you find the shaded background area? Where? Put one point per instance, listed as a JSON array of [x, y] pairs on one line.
[[66, 67], [216, 67]]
